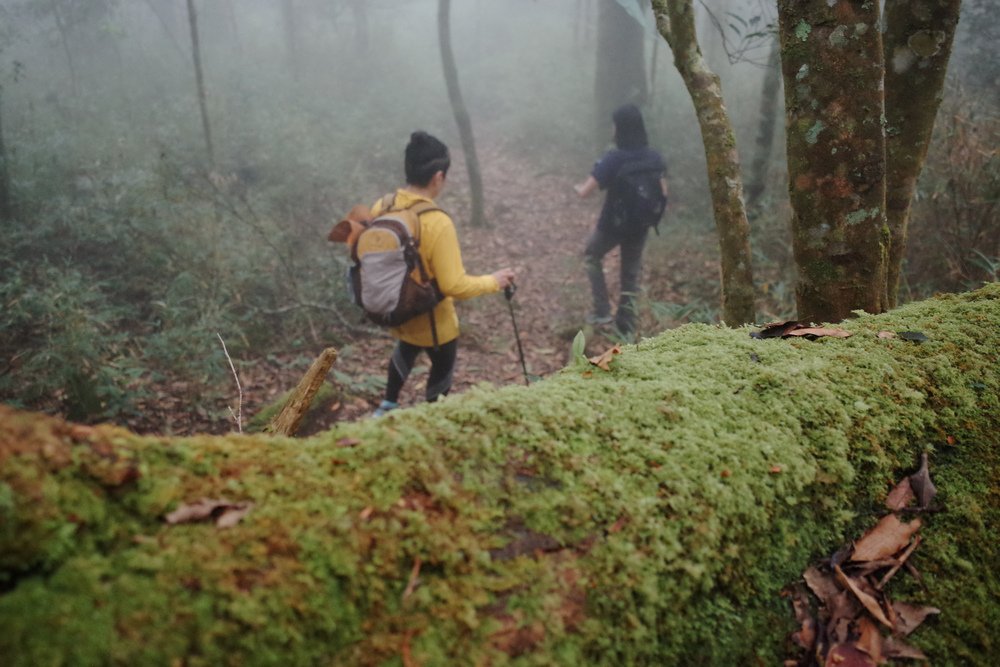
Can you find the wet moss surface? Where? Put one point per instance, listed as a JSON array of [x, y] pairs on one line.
[[649, 515]]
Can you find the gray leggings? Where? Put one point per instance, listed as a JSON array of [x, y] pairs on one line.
[[600, 244]]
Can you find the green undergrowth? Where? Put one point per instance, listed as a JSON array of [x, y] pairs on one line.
[[650, 515]]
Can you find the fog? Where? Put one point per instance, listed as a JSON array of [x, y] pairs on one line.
[[131, 243]]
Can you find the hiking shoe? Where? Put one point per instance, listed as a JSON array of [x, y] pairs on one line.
[[594, 318], [384, 407]]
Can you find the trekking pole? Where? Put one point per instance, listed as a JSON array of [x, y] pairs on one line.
[[508, 292]]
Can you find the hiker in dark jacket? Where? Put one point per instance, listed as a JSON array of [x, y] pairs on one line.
[[614, 228]]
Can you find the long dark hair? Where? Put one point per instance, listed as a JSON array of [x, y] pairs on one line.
[[630, 130]]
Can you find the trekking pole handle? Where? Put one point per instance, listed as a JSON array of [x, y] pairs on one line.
[[509, 290]]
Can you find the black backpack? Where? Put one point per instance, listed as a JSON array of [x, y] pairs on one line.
[[637, 195]]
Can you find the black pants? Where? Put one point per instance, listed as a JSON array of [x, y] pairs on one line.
[[442, 369], [600, 244]]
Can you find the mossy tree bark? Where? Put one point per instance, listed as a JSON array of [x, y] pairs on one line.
[[650, 515], [200, 82], [916, 46], [832, 67], [675, 19], [478, 219], [620, 76]]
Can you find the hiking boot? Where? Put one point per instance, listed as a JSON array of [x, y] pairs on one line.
[[383, 408], [595, 319]]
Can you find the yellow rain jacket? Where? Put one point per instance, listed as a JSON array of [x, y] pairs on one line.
[[442, 258]]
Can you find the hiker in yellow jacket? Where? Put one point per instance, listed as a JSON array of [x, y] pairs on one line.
[[426, 164]]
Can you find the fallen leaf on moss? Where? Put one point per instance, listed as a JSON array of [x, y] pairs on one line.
[[225, 513], [922, 485], [775, 470], [900, 496], [887, 537], [348, 442], [856, 586], [910, 616], [822, 585], [847, 655], [818, 332], [603, 361], [775, 329], [870, 639], [805, 636], [233, 515], [886, 335], [897, 648]]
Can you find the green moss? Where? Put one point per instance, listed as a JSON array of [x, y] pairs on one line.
[[629, 517]]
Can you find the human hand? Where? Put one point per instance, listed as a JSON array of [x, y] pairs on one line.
[[504, 277]]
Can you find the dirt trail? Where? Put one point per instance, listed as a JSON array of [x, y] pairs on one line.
[[538, 227]]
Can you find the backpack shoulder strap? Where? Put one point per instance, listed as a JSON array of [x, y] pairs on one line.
[[418, 209]]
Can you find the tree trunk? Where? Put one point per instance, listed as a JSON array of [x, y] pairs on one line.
[[234, 27], [916, 49], [200, 82], [6, 203], [832, 67], [291, 36], [621, 65], [167, 29], [359, 9], [64, 40], [765, 131], [650, 515], [675, 19], [461, 114]]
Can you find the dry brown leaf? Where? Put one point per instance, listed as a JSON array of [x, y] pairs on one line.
[[775, 329], [843, 609], [603, 361], [206, 508], [233, 515], [886, 539], [898, 564], [885, 335], [910, 616], [820, 332], [870, 640], [411, 585], [922, 485], [822, 585], [775, 469], [847, 655], [869, 601], [900, 496], [805, 636], [897, 648]]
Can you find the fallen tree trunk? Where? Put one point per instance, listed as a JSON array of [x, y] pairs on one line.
[[647, 515]]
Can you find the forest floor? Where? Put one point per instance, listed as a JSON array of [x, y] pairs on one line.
[[538, 226]]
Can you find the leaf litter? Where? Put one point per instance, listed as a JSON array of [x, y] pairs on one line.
[[843, 609]]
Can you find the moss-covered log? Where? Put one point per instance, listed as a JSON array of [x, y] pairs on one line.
[[649, 515]]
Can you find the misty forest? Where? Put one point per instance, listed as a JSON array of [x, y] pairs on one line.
[[195, 463]]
